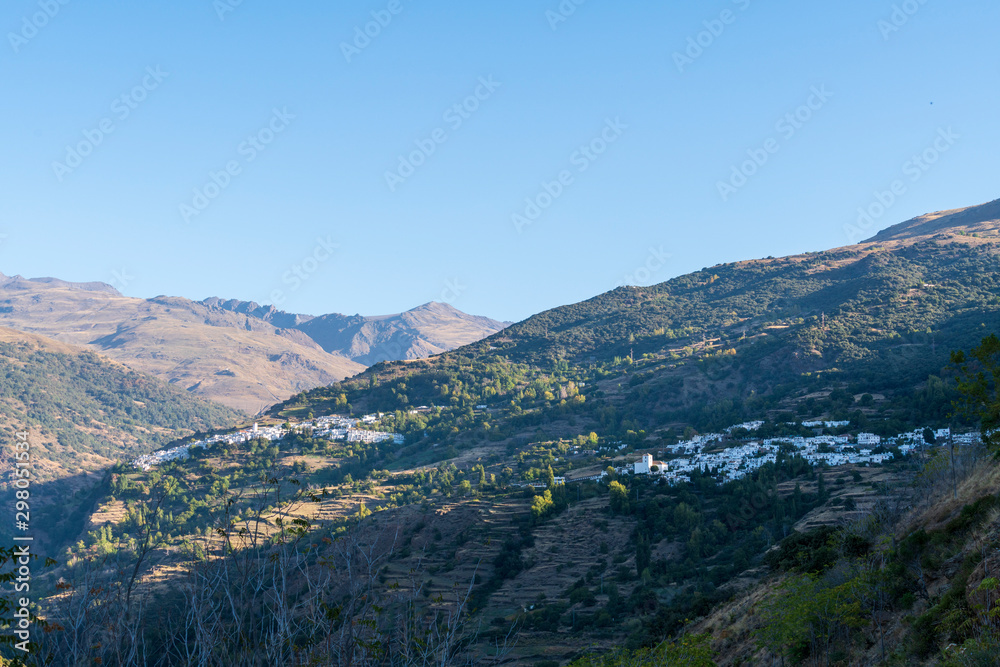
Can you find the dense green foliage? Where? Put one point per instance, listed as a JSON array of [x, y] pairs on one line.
[[808, 335], [979, 386], [82, 406], [860, 334], [688, 651], [87, 403], [847, 580]]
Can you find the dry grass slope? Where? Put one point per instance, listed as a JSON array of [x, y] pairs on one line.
[[236, 360]]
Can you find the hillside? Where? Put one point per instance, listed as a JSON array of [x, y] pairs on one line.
[[83, 412], [822, 298], [914, 581], [731, 342], [972, 220], [375, 533]]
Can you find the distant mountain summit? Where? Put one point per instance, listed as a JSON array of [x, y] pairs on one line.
[[20, 282], [235, 359], [424, 331]]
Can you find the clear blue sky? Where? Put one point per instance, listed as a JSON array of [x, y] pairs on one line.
[[445, 232]]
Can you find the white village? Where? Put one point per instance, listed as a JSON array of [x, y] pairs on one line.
[[332, 427], [737, 458], [742, 459]]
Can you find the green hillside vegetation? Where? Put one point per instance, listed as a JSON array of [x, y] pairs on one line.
[[84, 412], [87, 403], [663, 555], [807, 335], [79, 399], [913, 581]]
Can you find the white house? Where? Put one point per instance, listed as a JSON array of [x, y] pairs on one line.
[[646, 465]]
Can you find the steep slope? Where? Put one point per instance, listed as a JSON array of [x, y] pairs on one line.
[[914, 578], [236, 359], [902, 275], [424, 331], [89, 410]]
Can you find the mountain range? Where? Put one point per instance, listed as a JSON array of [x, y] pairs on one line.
[[421, 332], [240, 354]]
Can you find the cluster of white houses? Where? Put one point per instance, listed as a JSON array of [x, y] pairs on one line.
[[332, 427], [738, 461]]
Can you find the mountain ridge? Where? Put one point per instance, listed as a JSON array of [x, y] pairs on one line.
[[242, 354], [428, 329], [970, 219], [18, 281]]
